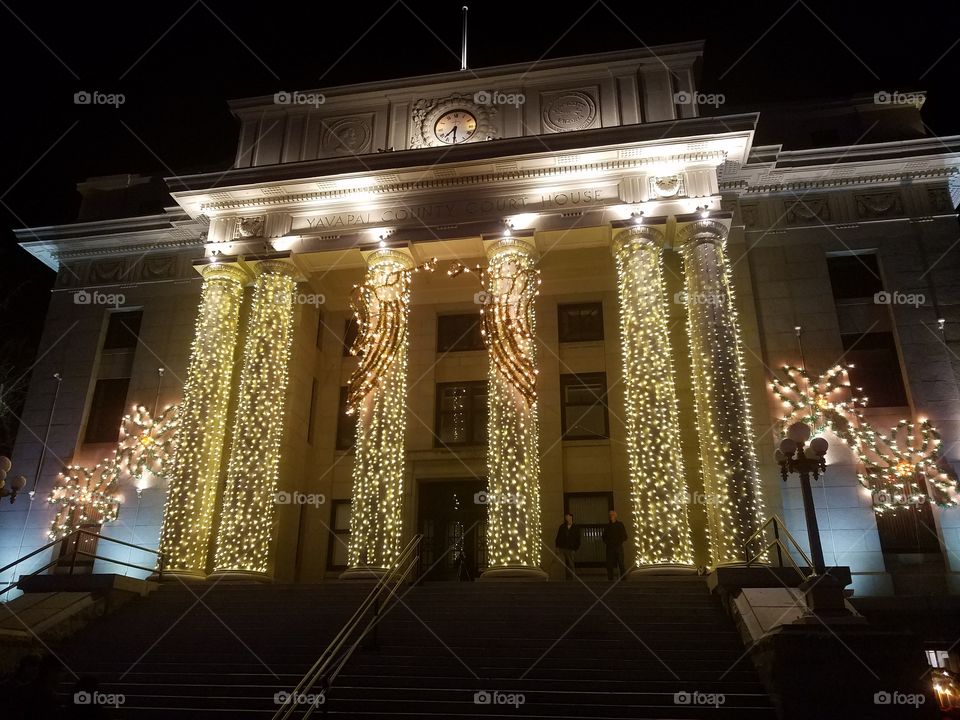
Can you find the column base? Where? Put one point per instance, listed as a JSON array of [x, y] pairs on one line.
[[515, 573], [240, 576], [370, 574], [179, 574], [643, 571]]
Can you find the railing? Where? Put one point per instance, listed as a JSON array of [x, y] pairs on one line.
[[779, 528], [77, 552], [341, 648]]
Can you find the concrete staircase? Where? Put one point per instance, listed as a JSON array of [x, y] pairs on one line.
[[658, 648]]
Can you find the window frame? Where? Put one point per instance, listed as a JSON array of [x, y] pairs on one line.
[[471, 386], [335, 531], [583, 379], [566, 307], [478, 346], [93, 413], [342, 417]]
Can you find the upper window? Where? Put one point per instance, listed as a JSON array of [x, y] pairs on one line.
[[854, 276], [580, 322], [584, 406], [876, 368], [123, 329], [459, 332], [346, 424], [461, 413], [106, 410]]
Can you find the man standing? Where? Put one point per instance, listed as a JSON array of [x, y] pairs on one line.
[[614, 536], [567, 543]]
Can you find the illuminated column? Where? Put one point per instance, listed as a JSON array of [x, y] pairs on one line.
[[249, 495], [191, 497], [378, 397], [657, 488], [731, 481], [513, 453]]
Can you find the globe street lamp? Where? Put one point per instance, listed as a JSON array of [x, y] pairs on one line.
[[16, 485], [823, 591]]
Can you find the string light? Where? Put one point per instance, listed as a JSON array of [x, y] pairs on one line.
[[901, 470], [659, 500], [85, 496], [191, 495], [378, 396], [725, 426], [147, 444], [512, 284], [249, 495]]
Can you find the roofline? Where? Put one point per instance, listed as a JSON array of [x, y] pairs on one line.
[[694, 47]]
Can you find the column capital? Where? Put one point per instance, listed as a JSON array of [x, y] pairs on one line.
[[518, 241], [213, 269], [275, 264], [395, 256], [694, 230], [625, 239]]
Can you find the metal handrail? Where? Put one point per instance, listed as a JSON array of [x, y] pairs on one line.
[[782, 549], [341, 648], [78, 552]]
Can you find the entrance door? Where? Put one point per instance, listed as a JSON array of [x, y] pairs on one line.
[[453, 521]]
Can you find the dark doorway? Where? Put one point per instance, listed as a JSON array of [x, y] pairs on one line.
[[453, 521]]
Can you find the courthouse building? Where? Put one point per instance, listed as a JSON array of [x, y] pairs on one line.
[[568, 286]]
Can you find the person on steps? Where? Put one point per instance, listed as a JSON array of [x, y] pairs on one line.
[[567, 544], [614, 536]]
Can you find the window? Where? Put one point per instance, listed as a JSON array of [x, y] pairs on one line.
[[461, 417], [584, 407], [350, 331], [456, 333], [876, 368], [580, 322], [123, 329], [339, 535], [106, 410], [312, 411], [854, 277], [346, 424], [591, 512], [908, 531]]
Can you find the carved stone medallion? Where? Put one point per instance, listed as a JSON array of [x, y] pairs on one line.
[[569, 110]]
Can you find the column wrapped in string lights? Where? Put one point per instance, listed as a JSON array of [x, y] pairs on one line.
[[512, 283], [730, 476], [378, 398], [195, 474], [250, 492], [658, 492]]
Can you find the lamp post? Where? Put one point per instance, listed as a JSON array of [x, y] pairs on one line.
[[823, 592], [16, 485]]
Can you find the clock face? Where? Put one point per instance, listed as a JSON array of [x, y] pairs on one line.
[[455, 127]]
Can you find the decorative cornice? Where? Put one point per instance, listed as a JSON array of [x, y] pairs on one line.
[[743, 187]]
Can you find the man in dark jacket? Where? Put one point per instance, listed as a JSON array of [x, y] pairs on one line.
[[614, 536], [567, 543]]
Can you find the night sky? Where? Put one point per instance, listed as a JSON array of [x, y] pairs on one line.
[[177, 63]]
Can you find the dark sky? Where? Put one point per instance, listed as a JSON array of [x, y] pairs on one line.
[[177, 63]]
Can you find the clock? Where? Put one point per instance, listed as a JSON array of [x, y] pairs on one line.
[[455, 126]]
